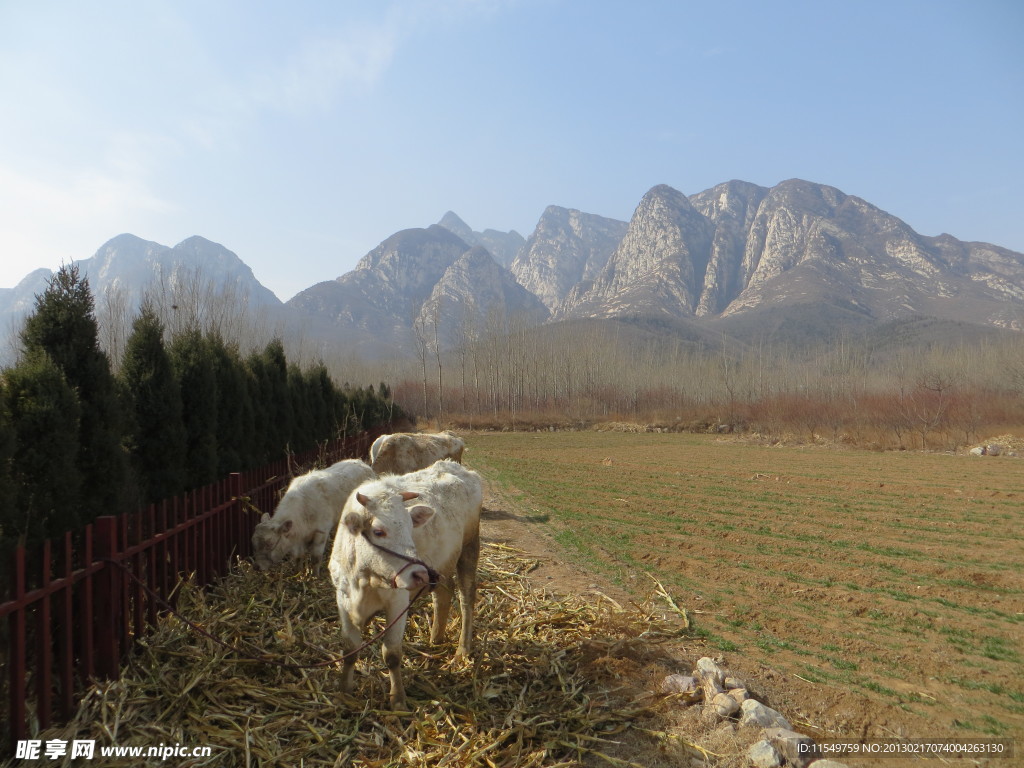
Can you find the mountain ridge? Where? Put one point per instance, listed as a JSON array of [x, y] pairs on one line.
[[733, 251]]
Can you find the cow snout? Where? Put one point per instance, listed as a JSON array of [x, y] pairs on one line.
[[413, 577]]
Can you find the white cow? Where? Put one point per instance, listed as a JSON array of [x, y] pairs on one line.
[[404, 452], [397, 535], [307, 513]]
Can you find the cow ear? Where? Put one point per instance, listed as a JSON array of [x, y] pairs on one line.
[[420, 514], [264, 518], [362, 499], [355, 522], [409, 495], [286, 526]]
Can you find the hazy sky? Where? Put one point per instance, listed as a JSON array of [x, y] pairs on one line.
[[301, 134]]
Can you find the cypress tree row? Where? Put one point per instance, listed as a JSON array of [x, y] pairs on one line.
[[77, 442]]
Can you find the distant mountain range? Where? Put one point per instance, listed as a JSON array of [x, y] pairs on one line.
[[737, 258]]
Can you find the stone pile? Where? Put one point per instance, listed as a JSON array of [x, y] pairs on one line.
[[1004, 445], [726, 698]]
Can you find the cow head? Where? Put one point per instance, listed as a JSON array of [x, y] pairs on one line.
[[385, 522], [274, 541]]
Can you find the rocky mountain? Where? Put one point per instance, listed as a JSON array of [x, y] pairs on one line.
[[566, 248], [659, 266], [472, 289], [126, 268], [135, 266], [739, 248], [410, 280], [503, 246], [799, 261]]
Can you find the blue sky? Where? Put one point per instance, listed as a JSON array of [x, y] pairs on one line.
[[299, 135]]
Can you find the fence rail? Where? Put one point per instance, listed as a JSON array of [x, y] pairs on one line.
[[72, 614]]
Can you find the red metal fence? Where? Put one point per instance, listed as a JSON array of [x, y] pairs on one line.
[[72, 615]]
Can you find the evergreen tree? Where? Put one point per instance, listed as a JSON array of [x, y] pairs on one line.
[[274, 412], [303, 429], [156, 440], [64, 326], [43, 412], [345, 411], [267, 440], [235, 424], [320, 390], [256, 451], [194, 365]]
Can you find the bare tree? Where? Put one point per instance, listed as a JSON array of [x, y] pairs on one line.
[[419, 331], [435, 313]]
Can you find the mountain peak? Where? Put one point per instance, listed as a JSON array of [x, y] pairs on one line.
[[451, 221], [503, 246], [196, 242]]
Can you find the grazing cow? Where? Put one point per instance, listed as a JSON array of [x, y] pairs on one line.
[[397, 536], [307, 513], [405, 452]]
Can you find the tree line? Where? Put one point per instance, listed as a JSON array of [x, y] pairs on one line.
[[502, 372], [82, 437]]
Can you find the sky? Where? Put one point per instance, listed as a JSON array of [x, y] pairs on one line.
[[300, 135]]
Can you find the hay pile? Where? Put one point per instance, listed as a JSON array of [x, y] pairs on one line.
[[538, 692]]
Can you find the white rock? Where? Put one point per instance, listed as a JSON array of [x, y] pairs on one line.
[[680, 684], [757, 714], [789, 743], [763, 755], [725, 705], [740, 694]]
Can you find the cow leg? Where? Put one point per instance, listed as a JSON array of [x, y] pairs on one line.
[[465, 571], [392, 648], [442, 599], [316, 546], [351, 638]]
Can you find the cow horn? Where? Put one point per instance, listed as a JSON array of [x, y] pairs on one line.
[[409, 495], [361, 499]]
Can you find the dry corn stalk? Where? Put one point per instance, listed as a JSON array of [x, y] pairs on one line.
[[528, 698]]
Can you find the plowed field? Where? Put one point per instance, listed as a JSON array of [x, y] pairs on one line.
[[867, 594]]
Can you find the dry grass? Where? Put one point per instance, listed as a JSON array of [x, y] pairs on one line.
[[541, 690]]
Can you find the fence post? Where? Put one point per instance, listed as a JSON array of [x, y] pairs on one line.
[[44, 643], [107, 600], [17, 661], [66, 645], [236, 528], [87, 605]]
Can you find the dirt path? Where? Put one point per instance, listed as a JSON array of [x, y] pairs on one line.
[[504, 523]]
